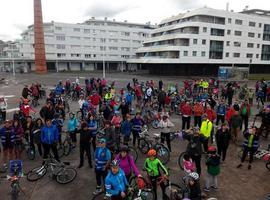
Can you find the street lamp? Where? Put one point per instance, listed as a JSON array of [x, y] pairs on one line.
[[12, 56]]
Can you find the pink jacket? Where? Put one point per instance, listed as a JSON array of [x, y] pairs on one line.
[[189, 166], [116, 121], [127, 165]]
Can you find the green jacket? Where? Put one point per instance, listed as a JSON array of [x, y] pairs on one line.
[[213, 165], [153, 166]]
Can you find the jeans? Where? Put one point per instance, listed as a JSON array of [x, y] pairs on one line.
[[210, 179], [245, 120], [100, 176], [154, 180], [197, 160], [185, 121], [220, 118], [47, 148], [222, 151], [85, 148], [135, 135], [245, 153], [197, 121]]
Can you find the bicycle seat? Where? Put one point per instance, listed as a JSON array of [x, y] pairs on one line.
[[156, 135]]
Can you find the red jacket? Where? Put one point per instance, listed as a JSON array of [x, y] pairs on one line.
[[229, 114], [95, 99], [25, 108], [198, 109], [186, 110], [211, 115]]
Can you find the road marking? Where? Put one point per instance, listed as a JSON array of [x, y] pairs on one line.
[[12, 110], [9, 96]]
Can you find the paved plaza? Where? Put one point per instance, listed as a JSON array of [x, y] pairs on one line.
[[234, 184]]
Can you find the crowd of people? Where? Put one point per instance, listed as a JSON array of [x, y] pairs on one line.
[[212, 116]]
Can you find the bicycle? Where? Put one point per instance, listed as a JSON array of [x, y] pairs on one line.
[[61, 172], [259, 154], [145, 144], [15, 182], [67, 144], [29, 149]]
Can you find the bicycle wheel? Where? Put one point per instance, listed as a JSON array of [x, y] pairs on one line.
[[143, 145], [180, 160], [66, 175], [15, 192], [31, 154], [163, 153], [147, 194], [36, 173], [66, 148], [173, 192], [267, 165], [133, 152]]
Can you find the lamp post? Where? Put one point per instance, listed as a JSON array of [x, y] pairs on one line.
[[12, 56], [250, 61]]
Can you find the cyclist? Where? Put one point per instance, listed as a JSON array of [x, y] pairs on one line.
[[36, 134], [265, 114], [194, 187], [153, 166], [3, 108], [126, 127], [102, 160], [72, 128], [85, 139], [92, 127], [137, 124], [127, 163], [116, 182], [165, 124], [19, 134]]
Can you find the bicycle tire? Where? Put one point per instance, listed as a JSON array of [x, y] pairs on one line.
[[267, 165], [35, 171], [163, 153], [15, 193], [133, 152], [154, 123], [31, 154], [143, 145], [176, 194], [63, 173], [147, 194], [66, 148], [180, 160], [60, 149]]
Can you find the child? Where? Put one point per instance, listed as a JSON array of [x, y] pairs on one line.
[[194, 186], [213, 169], [189, 165]]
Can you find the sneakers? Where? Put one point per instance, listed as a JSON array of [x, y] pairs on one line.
[[206, 189], [97, 191], [214, 187], [80, 166], [249, 167], [239, 166]]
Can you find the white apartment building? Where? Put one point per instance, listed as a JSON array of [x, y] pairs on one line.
[[199, 41], [82, 46]]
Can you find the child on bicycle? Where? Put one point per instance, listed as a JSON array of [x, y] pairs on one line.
[[189, 165], [153, 167]]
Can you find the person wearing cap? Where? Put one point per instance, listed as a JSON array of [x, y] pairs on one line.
[[102, 162], [250, 145], [8, 137], [3, 108], [165, 124], [223, 137], [154, 167], [49, 139], [205, 130], [126, 163], [116, 183], [213, 169], [85, 139]]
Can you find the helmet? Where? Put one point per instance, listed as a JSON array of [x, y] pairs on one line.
[[140, 183], [194, 175], [124, 148], [116, 112], [102, 140], [152, 152], [115, 163], [212, 149]]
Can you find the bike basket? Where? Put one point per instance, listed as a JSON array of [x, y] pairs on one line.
[[15, 167], [140, 183]]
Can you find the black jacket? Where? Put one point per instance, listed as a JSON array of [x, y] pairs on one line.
[[194, 146], [223, 138]]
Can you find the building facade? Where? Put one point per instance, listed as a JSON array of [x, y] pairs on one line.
[[199, 41], [83, 46]]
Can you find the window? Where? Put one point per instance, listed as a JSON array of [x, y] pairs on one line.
[[76, 29], [102, 31], [87, 55], [228, 32], [75, 46], [124, 56], [253, 24], [250, 45], [257, 55], [203, 53], [125, 49], [60, 37], [102, 40], [102, 48], [61, 55], [228, 43], [204, 29], [203, 42], [236, 55], [230, 20], [58, 28], [125, 33], [86, 30], [87, 38], [249, 55], [227, 54], [217, 32], [185, 53], [260, 25], [194, 53], [251, 34], [237, 33], [259, 35], [75, 55], [195, 41], [238, 21], [113, 48], [258, 45], [237, 44], [75, 38], [60, 46]]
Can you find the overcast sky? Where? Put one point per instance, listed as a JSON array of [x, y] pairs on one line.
[[16, 15]]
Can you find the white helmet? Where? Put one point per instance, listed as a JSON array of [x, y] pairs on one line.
[[194, 175]]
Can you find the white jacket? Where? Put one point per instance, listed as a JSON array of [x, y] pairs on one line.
[[3, 105], [166, 126]]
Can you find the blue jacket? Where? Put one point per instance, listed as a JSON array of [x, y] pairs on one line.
[[126, 128], [115, 183], [59, 90], [128, 98], [102, 156], [92, 124], [49, 135], [137, 124], [72, 124], [4, 135], [221, 110]]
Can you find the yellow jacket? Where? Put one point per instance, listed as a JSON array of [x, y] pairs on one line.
[[206, 128]]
